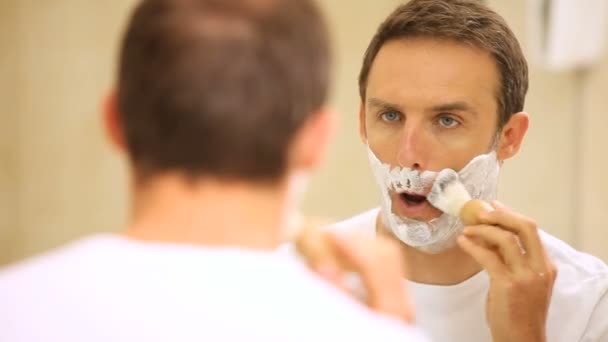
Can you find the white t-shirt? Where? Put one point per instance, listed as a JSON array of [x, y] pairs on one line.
[[578, 310], [110, 288]]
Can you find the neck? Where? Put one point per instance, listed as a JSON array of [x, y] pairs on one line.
[[170, 208], [449, 267]]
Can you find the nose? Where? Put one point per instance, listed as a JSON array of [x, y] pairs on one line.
[[413, 146]]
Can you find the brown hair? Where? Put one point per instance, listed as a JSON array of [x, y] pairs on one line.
[[465, 21], [219, 88]]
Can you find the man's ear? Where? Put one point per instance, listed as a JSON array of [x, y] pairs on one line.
[[311, 142], [112, 122], [512, 135], [362, 130]]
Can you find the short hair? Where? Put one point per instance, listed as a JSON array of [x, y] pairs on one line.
[[218, 88], [464, 21]]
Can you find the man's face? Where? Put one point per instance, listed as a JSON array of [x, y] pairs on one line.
[[430, 105]]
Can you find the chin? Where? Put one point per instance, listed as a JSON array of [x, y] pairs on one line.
[[438, 247], [442, 234]]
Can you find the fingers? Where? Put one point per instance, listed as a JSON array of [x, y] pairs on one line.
[[310, 244], [540, 263], [506, 243], [485, 257], [498, 205], [379, 263], [525, 228]]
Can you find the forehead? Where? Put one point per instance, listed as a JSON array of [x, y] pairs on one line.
[[425, 69]]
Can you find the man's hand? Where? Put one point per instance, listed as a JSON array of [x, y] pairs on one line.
[[377, 261], [509, 247]]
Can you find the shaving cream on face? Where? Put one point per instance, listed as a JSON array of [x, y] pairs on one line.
[[479, 176]]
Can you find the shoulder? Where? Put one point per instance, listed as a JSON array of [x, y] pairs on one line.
[[580, 293], [49, 267], [364, 222], [36, 293], [357, 322], [571, 263]]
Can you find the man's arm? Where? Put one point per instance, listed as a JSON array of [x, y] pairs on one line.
[[509, 248]]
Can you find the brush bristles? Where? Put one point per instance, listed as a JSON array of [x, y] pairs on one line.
[[448, 193]]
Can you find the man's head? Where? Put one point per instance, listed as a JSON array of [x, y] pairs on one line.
[[232, 90], [442, 81], [468, 22]]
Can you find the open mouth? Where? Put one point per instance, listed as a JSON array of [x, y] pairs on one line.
[[414, 206], [412, 199]]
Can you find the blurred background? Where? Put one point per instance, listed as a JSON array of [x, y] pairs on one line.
[[59, 179]]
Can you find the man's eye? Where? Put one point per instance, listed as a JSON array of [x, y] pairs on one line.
[[447, 122], [390, 116]]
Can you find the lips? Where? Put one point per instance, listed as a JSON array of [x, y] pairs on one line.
[[412, 199], [414, 206]]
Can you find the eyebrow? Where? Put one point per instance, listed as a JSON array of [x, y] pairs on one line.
[[456, 106], [377, 103]]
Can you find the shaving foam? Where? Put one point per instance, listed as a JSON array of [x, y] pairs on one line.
[[479, 176]]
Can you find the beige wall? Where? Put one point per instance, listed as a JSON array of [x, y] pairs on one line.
[[59, 180], [593, 184], [9, 93]]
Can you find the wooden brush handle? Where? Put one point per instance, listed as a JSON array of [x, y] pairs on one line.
[[471, 211]]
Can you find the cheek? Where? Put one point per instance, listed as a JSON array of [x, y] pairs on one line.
[[383, 142], [438, 148], [455, 141], [460, 159], [456, 148], [457, 152]]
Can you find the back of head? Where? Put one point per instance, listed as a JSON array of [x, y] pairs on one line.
[[218, 88], [468, 22]]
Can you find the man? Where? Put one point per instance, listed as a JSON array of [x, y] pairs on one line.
[[218, 106], [442, 85]]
